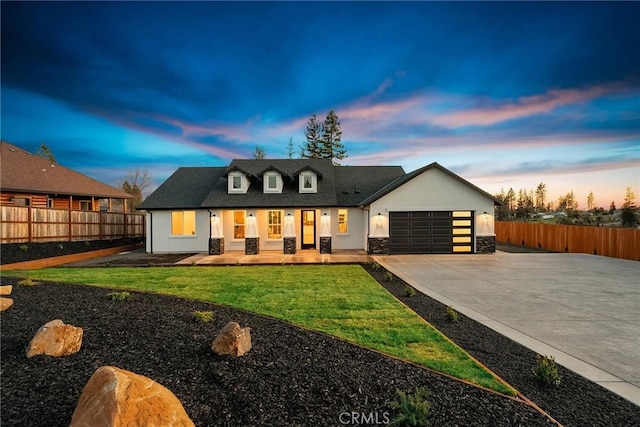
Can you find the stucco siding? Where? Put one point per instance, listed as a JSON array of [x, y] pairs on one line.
[[160, 240]]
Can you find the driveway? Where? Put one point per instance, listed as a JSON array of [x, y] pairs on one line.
[[582, 309]]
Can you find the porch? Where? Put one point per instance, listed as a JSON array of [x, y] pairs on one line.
[[305, 256]]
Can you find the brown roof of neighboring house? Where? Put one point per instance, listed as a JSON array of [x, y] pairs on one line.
[[26, 172]]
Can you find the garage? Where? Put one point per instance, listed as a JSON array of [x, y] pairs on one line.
[[431, 232]]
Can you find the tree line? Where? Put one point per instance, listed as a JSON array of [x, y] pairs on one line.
[[526, 203]]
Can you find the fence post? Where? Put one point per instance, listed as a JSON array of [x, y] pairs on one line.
[[29, 231]]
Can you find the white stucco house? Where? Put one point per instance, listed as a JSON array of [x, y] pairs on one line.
[[297, 204]]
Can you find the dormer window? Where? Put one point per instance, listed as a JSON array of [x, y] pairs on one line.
[[238, 182], [272, 182], [308, 182]]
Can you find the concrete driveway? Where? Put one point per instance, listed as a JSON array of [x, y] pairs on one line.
[[582, 309]]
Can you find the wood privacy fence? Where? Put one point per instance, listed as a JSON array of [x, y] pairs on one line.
[[27, 224], [614, 242]]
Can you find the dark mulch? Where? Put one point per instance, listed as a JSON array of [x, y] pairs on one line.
[[290, 377], [20, 252], [510, 247], [576, 401]]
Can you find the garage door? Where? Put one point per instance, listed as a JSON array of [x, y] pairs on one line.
[[431, 232]]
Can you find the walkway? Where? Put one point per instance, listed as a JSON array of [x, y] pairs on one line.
[[582, 309]]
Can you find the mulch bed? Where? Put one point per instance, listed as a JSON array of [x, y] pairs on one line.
[[291, 376], [20, 252]]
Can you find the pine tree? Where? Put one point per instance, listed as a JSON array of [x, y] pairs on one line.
[[541, 196], [590, 201], [312, 149], [259, 154], [290, 148], [45, 153], [331, 147]]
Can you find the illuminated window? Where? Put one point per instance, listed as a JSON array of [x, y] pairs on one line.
[[274, 224], [463, 214], [343, 218], [183, 223], [238, 224]]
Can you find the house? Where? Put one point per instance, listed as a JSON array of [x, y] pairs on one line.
[[33, 181], [292, 204]]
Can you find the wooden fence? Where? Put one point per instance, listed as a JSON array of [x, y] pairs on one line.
[[614, 242], [27, 224]]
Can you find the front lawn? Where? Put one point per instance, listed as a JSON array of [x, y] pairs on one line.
[[340, 300]]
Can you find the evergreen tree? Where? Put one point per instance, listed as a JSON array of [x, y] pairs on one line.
[[541, 196], [312, 149], [259, 154], [290, 148], [332, 148], [612, 207], [45, 153], [590, 203], [629, 216]]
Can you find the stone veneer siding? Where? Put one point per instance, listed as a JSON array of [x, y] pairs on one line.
[[289, 245], [378, 246], [325, 245], [216, 246], [251, 245], [485, 244]]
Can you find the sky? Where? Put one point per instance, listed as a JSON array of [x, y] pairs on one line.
[[505, 94]]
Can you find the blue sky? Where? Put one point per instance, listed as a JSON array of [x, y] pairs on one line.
[[506, 94]]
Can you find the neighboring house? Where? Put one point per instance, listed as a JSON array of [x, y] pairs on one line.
[[33, 181], [293, 204]]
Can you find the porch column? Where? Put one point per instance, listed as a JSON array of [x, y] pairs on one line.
[[378, 238], [289, 235], [325, 234], [216, 239], [252, 238]]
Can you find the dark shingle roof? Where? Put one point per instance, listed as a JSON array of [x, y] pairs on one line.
[[356, 183], [25, 172], [186, 188]]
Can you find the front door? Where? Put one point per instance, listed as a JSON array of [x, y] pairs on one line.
[[308, 229]]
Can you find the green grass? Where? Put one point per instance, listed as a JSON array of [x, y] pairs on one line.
[[340, 300]]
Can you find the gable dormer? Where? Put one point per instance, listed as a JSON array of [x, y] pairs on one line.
[[238, 183], [272, 181]]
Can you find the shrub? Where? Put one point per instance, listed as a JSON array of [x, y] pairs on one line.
[[86, 243], [411, 409], [409, 291], [546, 371], [375, 266], [27, 282], [203, 316], [452, 315], [388, 276], [24, 248], [119, 296]]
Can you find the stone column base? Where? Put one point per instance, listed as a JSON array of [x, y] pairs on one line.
[[325, 245], [485, 244], [216, 246], [378, 246], [289, 245], [251, 245]]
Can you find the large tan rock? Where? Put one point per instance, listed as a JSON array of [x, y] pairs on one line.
[[233, 340], [55, 339], [114, 397], [6, 289], [5, 303]]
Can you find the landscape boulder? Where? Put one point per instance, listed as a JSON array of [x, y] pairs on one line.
[[5, 303], [6, 289], [55, 338], [114, 397], [233, 340]]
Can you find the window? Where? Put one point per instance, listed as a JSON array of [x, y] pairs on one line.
[[85, 205], [237, 182], [274, 224], [273, 182], [21, 201], [343, 218], [183, 223], [238, 224], [50, 202], [308, 182]]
